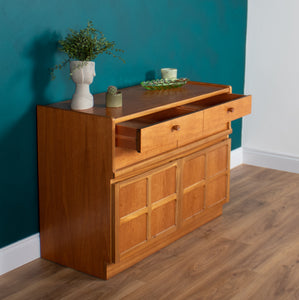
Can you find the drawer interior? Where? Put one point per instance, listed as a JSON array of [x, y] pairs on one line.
[[154, 118]]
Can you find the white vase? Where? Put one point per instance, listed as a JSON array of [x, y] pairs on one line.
[[82, 73]]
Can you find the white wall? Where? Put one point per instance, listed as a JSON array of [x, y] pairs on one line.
[[272, 77]]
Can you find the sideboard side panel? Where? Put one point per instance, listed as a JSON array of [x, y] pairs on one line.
[[75, 168]]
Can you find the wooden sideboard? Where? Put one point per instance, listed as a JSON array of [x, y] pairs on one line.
[[118, 184]]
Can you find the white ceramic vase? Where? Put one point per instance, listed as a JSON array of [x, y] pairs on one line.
[[82, 73]]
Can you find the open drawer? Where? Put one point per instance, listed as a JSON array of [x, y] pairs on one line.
[[172, 128], [167, 130], [224, 109]]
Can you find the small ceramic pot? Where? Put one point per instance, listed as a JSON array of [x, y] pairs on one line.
[[114, 100]]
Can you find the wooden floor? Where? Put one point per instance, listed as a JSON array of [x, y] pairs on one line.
[[251, 252]]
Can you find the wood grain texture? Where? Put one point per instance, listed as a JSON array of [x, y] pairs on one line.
[[163, 218], [132, 233], [250, 252], [216, 190], [75, 168], [163, 184], [193, 201], [138, 101], [171, 134], [217, 160], [216, 116], [128, 160], [194, 169], [132, 197]]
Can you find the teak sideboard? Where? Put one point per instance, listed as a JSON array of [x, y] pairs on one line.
[[118, 184]]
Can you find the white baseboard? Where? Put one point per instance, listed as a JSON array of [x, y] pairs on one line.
[[270, 160], [236, 157], [19, 253]]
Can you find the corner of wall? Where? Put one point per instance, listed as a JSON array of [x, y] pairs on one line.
[[236, 157]]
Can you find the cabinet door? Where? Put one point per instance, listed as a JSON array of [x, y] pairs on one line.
[[218, 165], [145, 208], [193, 185], [204, 182], [163, 193], [132, 201]]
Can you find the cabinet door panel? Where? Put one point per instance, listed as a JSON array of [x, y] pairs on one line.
[[194, 170], [132, 197], [132, 233], [163, 218], [163, 184], [216, 190], [193, 201], [217, 160]]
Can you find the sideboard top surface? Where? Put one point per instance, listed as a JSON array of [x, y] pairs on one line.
[[138, 101]]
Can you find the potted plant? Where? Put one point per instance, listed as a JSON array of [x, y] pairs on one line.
[[82, 47], [113, 97]]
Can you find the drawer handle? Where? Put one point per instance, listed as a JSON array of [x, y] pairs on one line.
[[175, 128], [230, 110]]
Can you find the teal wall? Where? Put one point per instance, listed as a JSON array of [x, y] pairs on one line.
[[204, 39]]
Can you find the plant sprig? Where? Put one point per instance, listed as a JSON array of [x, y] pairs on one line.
[[85, 45]]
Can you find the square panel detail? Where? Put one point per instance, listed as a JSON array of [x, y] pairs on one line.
[[163, 184], [216, 190], [132, 197], [217, 161], [193, 201], [132, 233], [163, 217], [194, 170]]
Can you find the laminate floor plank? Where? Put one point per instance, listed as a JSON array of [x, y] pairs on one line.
[[250, 252], [277, 280], [186, 278]]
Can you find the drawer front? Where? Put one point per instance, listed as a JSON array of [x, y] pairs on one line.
[[216, 117], [171, 134]]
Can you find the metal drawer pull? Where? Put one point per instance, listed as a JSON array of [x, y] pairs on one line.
[[175, 127], [231, 109]]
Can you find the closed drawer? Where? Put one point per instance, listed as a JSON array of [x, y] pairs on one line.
[[164, 130]]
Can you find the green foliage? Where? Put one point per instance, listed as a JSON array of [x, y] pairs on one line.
[[85, 45], [112, 90]]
